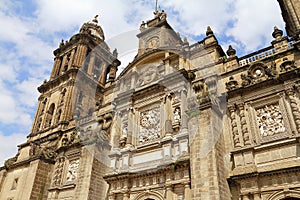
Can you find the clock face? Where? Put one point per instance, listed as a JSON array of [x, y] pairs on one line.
[[152, 43]]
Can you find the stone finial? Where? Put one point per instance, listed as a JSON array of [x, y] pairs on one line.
[[62, 43], [209, 31], [185, 41], [231, 51], [115, 53], [163, 15], [95, 19], [277, 33], [143, 26]]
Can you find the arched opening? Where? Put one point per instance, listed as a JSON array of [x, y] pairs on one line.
[[49, 116], [149, 196]]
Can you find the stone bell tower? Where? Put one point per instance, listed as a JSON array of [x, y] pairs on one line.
[[48, 165], [290, 12], [85, 52]]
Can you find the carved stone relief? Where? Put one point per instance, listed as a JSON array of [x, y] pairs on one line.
[[270, 120], [123, 138], [150, 125], [72, 171], [148, 76], [234, 128], [177, 117], [58, 171]]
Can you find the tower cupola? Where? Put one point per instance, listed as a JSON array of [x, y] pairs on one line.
[[93, 28]]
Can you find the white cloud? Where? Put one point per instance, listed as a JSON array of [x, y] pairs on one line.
[[254, 22], [193, 17], [8, 144]]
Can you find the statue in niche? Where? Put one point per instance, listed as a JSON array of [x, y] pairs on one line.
[[177, 117], [123, 138]]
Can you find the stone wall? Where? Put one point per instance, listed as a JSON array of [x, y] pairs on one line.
[[41, 181]]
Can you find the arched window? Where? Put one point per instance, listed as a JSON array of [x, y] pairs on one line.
[[49, 115]]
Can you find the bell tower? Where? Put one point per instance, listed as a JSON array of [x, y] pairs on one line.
[[85, 56], [50, 161], [290, 12]]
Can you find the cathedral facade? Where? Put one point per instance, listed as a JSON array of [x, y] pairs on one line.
[[181, 121]]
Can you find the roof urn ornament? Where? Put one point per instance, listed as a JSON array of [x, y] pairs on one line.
[[209, 31], [277, 33], [231, 51]]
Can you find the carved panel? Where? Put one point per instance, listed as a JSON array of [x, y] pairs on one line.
[[72, 171], [58, 171], [150, 125], [270, 120]]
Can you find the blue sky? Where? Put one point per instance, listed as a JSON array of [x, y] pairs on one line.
[[32, 29]]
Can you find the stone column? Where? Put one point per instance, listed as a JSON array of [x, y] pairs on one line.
[[130, 127], [63, 64], [244, 126], [235, 133], [184, 116], [118, 130], [71, 61], [187, 191], [80, 56], [291, 93], [55, 67], [169, 192], [68, 107], [91, 64], [168, 115]]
